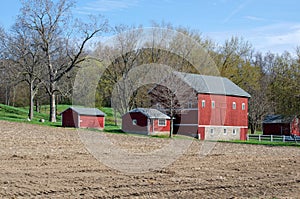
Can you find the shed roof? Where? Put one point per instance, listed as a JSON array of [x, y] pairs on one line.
[[278, 119], [86, 111], [150, 113], [212, 84]]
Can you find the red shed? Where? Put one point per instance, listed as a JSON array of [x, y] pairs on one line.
[[146, 121], [281, 125], [80, 117]]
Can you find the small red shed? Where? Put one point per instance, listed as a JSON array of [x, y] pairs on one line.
[[146, 121], [281, 125], [80, 117]]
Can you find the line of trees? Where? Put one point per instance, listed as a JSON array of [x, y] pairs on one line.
[[44, 45], [40, 55]]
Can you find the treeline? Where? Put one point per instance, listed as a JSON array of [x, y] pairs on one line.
[[45, 50]]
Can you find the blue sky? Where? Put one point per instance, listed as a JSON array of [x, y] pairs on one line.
[[269, 25]]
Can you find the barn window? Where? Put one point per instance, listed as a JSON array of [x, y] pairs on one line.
[[134, 122], [243, 106], [213, 105], [162, 122], [233, 131], [233, 105], [203, 103], [190, 104], [225, 132], [211, 131]]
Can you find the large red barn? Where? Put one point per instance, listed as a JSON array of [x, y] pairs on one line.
[[215, 108], [146, 121], [80, 117], [281, 125]]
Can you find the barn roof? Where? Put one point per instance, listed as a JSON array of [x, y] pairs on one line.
[[150, 113], [278, 119], [212, 84], [86, 111]]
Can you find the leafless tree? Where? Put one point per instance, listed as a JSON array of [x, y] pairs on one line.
[[172, 96], [61, 39]]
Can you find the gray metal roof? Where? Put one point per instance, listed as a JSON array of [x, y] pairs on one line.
[[87, 111], [150, 113], [212, 84], [278, 119]]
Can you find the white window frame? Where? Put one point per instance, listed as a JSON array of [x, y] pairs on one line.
[[203, 103], [134, 122], [233, 105], [213, 104], [234, 131], [243, 106], [164, 122], [212, 131], [225, 131]]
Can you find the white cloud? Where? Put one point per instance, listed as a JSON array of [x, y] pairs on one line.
[[107, 5], [254, 18], [276, 38], [238, 9]]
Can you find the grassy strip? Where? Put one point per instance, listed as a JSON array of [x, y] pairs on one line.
[[15, 114], [268, 143]]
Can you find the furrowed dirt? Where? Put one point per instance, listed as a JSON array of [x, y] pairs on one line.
[[46, 162]]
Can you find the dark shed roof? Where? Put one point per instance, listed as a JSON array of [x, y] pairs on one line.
[[278, 119], [150, 113], [86, 111], [212, 84]]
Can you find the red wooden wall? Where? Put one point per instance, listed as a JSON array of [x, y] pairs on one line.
[[90, 121], [223, 113], [69, 118], [142, 124]]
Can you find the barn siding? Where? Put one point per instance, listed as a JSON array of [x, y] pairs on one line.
[[276, 129], [70, 118], [88, 121], [141, 126], [161, 129], [223, 113], [144, 125], [296, 126], [222, 116]]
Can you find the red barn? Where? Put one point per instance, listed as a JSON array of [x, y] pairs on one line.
[[281, 125], [79, 117], [146, 121], [214, 109]]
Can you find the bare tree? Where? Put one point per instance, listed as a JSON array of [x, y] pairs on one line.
[[23, 51], [61, 39], [172, 96]]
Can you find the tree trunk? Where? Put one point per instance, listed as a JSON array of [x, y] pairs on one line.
[[31, 104], [115, 117], [52, 108], [253, 128], [171, 128], [37, 106]]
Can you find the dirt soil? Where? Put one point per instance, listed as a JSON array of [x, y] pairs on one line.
[[47, 162]]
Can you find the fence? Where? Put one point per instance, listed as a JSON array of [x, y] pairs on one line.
[[270, 138]]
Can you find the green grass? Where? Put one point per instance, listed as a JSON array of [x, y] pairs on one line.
[[268, 143], [17, 114]]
